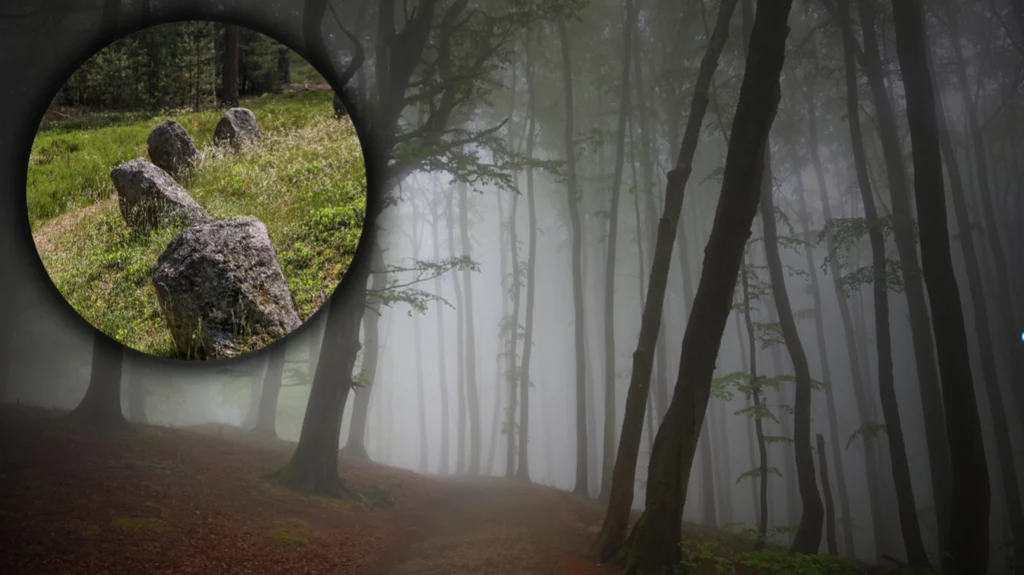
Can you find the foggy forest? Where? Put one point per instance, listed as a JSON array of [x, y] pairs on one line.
[[732, 283]]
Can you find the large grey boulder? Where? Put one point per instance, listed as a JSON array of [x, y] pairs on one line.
[[171, 148], [149, 197], [221, 290], [238, 128]]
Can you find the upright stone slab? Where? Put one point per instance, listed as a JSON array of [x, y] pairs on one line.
[[149, 197], [171, 148], [238, 128], [221, 290]]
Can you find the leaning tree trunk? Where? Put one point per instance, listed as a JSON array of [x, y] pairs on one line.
[[616, 521], [654, 541], [472, 398], [355, 445], [266, 413], [611, 245], [808, 536], [523, 471], [229, 82], [101, 406], [969, 514], [582, 463]]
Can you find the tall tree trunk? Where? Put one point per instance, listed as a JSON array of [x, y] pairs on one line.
[[472, 397], [502, 363], [865, 405], [513, 359], [924, 346], [969, 513], [314, 463], [460, 444], [421, 400], [355, 445], [266, 413], [654, 541], [611, 245], [229, 82], [755, 415], [808, 536], [830, 512], [989, 369], [101, 406], [442, 360], [616, 522], [523, 471], [826, 372], [582, 461], [752, 441]]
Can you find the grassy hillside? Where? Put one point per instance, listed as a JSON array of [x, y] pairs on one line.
[[306, 182]]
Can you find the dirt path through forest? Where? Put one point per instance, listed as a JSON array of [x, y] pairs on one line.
[[492, 526]]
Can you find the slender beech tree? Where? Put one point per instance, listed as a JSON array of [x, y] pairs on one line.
[[616, 522], [865, 405], [654, 540], [523, 470], [968, 542], [460, 325], [755, 398], [808, 535], [582, 460], [442, 359], [472, 397], [611, 245]]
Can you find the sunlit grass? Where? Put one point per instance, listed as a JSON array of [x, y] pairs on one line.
[[306, 182]]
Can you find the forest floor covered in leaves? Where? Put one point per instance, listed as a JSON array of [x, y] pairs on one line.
[[154, 500], [159, 500]]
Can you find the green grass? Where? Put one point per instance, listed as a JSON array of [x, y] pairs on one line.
[[306, 182]]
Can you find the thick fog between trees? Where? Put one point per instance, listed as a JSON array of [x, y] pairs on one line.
[[522, 165]]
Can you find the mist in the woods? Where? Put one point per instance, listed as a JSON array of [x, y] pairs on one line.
[[502, 260]]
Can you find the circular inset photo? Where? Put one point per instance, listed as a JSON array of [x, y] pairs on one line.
[[196, 190]]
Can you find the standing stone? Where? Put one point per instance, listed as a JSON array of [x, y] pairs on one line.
[[149, 197], [171, 148], [238, 128], [221, 290]]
